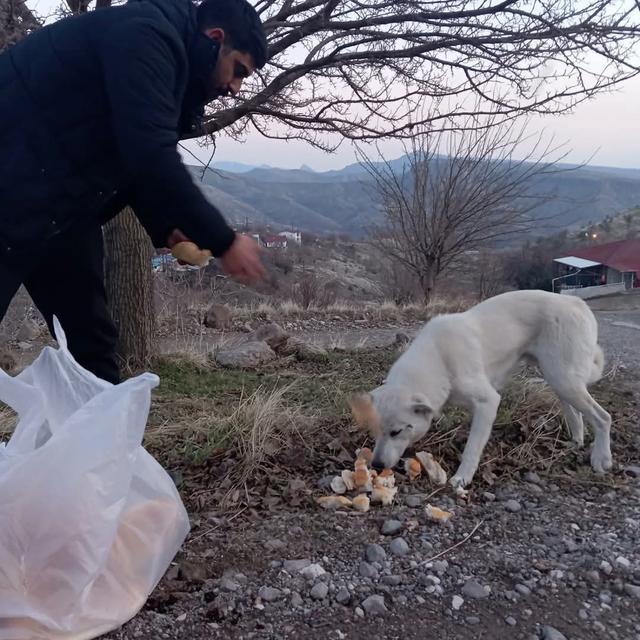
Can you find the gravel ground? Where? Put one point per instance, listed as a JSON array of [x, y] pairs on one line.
[[543, 557], [551, 556]]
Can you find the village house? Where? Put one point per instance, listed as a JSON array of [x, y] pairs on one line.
[[600, 269]]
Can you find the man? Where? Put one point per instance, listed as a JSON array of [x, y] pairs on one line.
[[91, 110]]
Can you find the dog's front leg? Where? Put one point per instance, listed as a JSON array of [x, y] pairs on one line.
[[485, 408]]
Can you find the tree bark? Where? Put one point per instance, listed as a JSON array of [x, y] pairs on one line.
[[129, 282], [427, 283]]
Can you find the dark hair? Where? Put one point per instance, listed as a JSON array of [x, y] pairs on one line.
[[241, 24]]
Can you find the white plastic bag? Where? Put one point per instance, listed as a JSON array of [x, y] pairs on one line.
[[89, 521]]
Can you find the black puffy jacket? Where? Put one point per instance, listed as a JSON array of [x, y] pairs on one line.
[[91, 110]]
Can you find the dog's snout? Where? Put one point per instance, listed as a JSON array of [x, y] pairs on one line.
[[377, 465]]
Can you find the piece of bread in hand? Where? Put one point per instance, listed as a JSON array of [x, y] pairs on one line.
[[191, 253]]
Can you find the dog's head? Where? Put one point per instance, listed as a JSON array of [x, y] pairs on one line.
[[396, 418]]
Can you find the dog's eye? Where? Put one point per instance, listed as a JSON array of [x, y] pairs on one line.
[[395, 433]]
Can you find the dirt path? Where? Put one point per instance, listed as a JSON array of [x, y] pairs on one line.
[[619, 337]]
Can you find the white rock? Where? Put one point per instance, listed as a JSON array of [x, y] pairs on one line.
[[312, 572], [457, 602]]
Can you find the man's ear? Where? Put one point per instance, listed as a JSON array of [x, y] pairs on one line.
[[215, 33], [365, 415]]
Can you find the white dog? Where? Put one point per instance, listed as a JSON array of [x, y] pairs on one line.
[[466, 358]]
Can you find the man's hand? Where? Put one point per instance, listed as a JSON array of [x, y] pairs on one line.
[[242, 260]]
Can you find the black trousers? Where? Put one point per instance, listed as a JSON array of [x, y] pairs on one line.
[[68, 281]]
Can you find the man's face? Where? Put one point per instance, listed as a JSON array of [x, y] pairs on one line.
[[232, 68]]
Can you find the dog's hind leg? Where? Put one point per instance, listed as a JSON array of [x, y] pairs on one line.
[[581, 401], [484, 405], [574, 422]]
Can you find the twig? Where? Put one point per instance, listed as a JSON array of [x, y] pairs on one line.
[[208, 531], [451, 548]]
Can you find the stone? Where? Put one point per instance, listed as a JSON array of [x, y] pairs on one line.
[[511, 621], [269, 594], [414, 500], [343, 596], [246, 356], [302, 350], [623, 562], [295, 566], [457, 602], [271, 333], [632, 590], [401, 340], [399, 547], [473, 589], [523, 590], [551, 633], [228, 584], [440, 566], [532, 477], [375, 606], [296, 600], [512, 506], [218, 316], [391, 527], [274, 545], [312, 572], [367, 570], [319, 591], [375, 553], [392, 581], [633, 471]]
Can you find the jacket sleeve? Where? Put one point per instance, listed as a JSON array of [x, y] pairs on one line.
[[141, 68]]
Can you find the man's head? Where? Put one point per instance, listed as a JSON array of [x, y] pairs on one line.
[[236, 27], [396, 418]]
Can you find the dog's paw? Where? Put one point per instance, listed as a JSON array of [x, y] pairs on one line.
[[577, 442], [458, 483], [601, 460]]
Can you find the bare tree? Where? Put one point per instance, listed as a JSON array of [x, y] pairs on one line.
[[456, 192], [16, 21], [363, 70]]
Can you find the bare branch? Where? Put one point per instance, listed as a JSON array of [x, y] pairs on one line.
[[366, 70]]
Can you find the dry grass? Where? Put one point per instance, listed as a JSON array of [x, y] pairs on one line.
[[258, 427], [529, 431], [386, 310], [8, 421]]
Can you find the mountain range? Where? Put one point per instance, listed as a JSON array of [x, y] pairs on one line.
[[344, 200]]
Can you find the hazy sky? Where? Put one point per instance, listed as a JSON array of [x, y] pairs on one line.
[[607, 126]]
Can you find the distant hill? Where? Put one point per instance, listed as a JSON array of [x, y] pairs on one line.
[[344, 201]]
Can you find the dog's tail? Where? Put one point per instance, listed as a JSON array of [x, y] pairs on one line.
[[598, 365]]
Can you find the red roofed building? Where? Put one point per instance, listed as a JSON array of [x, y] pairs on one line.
[[614, 266], [273, 241]]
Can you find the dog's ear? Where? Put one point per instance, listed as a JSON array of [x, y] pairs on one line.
[[420, 406], [365, 415]]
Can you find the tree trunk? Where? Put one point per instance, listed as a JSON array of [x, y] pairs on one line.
[[129, 281], [427, 283]]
